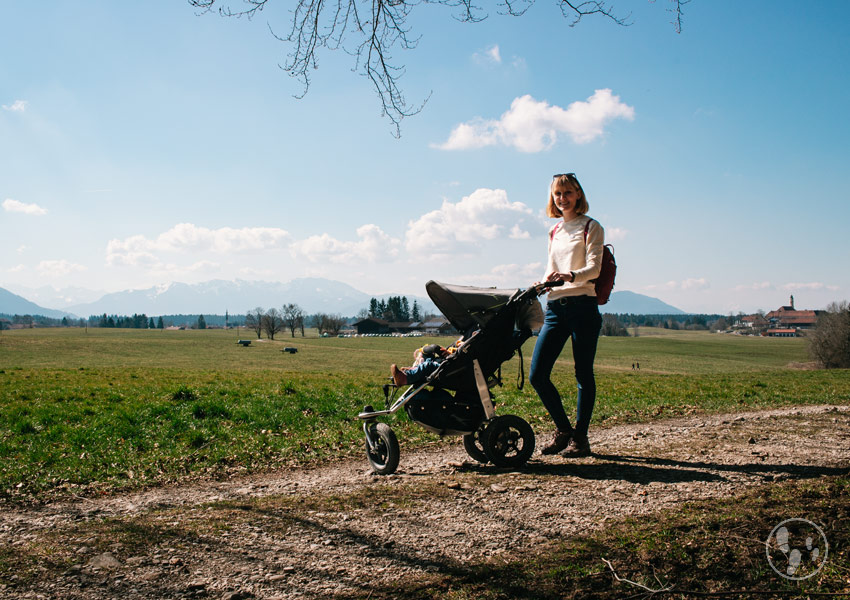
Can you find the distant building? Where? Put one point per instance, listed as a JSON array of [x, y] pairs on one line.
[[438, 326], [782, 332], [753, 321], [788, 317], [372, 325]]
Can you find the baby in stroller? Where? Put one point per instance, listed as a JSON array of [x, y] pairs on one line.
[[425, 361]]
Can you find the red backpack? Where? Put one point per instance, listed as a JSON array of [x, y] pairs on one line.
[[604, 283]]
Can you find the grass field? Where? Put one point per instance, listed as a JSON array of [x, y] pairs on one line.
[[106, 409]]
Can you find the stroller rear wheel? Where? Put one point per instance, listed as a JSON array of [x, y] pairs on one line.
[[508, 441], [383, 451], [474, 446]]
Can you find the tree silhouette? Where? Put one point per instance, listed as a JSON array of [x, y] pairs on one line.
[[272, 322], [829, 343], [293, 318], [254, 320]]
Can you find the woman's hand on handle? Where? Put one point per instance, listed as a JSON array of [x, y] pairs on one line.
[[543, 286], [561, 277]]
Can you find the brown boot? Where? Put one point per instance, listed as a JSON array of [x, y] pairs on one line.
[[399, 377], [560, 440], [578, 447]]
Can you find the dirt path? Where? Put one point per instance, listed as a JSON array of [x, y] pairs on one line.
[[338, 529]]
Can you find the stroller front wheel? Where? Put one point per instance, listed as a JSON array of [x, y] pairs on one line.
[[382, 449], [474, 446], [508, 441]]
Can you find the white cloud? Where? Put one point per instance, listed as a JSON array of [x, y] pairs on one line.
[[532, 126], [483, 215], [10, 205], [17, 269], [815, 285], [203, 265], [490, 55], [188, 238], [257, 273], [16, 106], [508, 276], [493, 53], [373, 246], [57, 268], [756, 286], [693, 283], [518, 233], [615, 234], [21, 249]]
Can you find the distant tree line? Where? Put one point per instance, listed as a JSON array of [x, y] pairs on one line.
[[289, 317], [143, 321], [395, 309], [611, 326], [7, 320], [325, 323], [122, 322], [191, 320], [691, 322]]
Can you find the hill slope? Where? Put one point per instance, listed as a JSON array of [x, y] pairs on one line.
[[625, 302], [12, 304]]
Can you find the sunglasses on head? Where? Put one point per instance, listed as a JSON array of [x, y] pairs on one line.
[[570, 175]]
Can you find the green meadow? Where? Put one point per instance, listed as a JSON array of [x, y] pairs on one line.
[[87, 412]]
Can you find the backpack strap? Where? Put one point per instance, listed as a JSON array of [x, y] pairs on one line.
[[586, 227]]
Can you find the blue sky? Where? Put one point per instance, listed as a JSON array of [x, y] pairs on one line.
[[141, 146]]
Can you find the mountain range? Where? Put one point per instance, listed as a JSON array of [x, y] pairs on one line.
[[314, 295], [12, 304]]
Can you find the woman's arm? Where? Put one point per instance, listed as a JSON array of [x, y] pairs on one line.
[[593, 253]]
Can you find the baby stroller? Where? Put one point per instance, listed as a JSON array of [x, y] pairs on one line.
[[455, 399]]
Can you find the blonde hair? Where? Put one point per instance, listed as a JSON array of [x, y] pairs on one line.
[[564, 180]]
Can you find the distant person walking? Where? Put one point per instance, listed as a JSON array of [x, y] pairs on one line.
[[572, 312]]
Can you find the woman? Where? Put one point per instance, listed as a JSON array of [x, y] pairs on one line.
[[575, 257]]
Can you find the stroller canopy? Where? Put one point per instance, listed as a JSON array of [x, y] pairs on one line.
[[467, 307]]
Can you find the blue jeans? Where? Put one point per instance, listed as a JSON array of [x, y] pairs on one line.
[[577, 319], [420, 372]]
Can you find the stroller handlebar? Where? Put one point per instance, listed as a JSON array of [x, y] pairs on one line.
[[542, 287], [549, 284], [536, 289]]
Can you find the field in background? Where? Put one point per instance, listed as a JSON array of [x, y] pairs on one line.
[[104, 409]]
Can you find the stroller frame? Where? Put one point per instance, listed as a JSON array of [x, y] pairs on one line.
[[505, 441]]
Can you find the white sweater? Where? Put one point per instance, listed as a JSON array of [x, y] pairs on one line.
[[568, 252]]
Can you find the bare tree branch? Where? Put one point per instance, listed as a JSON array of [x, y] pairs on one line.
[[679, 13], [578, 10], [370, 30]]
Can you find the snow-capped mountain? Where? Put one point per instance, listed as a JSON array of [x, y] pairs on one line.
[[313, 295]]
